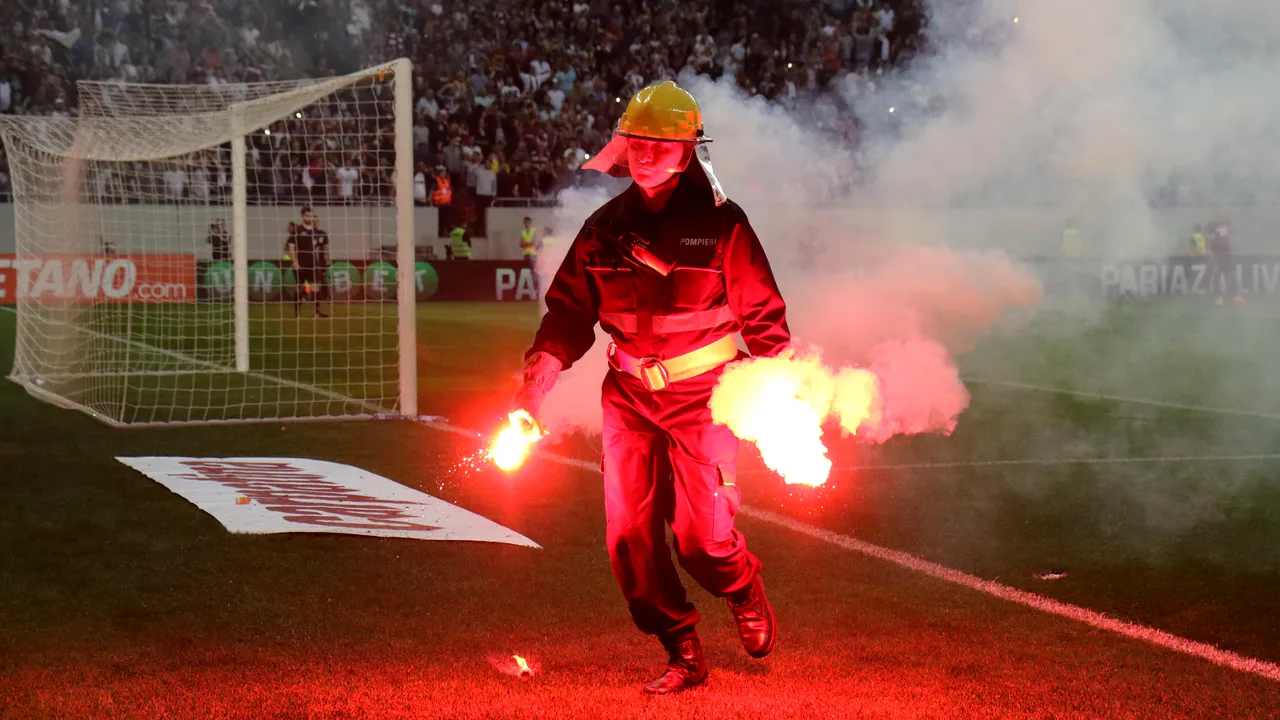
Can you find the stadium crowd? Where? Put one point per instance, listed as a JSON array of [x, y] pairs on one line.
[[509, 98]]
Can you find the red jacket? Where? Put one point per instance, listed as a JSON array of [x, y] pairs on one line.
[[721, 283]]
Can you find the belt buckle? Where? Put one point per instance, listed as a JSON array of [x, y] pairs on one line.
[[653, 374]]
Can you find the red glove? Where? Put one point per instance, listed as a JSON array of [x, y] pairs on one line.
[[541, 371]]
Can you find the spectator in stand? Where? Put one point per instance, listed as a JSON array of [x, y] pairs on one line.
[[175, 182], [486, 191], [201, 185], [420, 184], [442, 198], [530, 85], [219, 241], [346, 178], [421, 131], [428, 105]]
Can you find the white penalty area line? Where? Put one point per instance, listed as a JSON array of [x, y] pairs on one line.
[[1092, 618], [1064, 461], [372, 408], [1123, 399]]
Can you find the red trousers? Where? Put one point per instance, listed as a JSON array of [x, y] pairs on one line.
[[666, 463]]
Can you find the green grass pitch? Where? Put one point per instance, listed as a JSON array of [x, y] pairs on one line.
[[1134, 450]]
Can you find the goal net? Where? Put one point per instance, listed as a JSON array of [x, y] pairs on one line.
[[227, 253]]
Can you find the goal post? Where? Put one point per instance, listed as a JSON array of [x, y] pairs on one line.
[[240, 237], [225, 253], [406, 246]]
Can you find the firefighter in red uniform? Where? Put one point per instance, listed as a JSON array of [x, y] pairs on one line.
[[672, 270]]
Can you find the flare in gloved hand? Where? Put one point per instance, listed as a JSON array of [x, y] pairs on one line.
[[510, 449], [541, 370]]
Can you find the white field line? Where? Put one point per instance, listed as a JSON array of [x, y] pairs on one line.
[[118, 373], [1065, 461], [1125, 399], [1092, 618], [1159, 638], [371, 407]]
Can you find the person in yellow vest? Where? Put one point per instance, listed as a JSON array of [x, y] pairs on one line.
[[460, 242], [529, 247], [1072, 240], [528, 241], [1199, 246]]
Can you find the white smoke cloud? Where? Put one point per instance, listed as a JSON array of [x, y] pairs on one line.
[[913, 251]]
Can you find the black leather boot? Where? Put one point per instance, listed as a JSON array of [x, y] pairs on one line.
[[757, 627], [686, 667]]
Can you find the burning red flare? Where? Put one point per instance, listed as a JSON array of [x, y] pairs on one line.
[[780, 404], [512, 446], [525, 673]]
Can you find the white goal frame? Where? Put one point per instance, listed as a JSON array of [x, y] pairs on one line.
[[244, 118]]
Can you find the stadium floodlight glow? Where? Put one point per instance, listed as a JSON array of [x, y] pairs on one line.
[[150, 252]]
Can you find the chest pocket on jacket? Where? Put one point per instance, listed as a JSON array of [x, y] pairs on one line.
[[697, 289], [616, 288]]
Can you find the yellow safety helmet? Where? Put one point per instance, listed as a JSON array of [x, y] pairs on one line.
[[661, 111]]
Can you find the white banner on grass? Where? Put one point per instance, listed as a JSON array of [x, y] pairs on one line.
[[280, 495]]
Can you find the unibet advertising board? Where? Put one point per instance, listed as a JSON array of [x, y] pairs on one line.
[[426, 279], [377, 281], [343, 279], [265, 280], [380, 281]]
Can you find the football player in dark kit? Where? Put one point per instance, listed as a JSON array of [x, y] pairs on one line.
[[672, 270], [308, 248]]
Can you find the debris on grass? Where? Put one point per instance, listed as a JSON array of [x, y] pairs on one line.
[[1051, 575]]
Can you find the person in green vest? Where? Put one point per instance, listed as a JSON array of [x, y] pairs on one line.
[[528, 241], [1072, 241], [1199, 247], [460, 242], [529, 246]]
